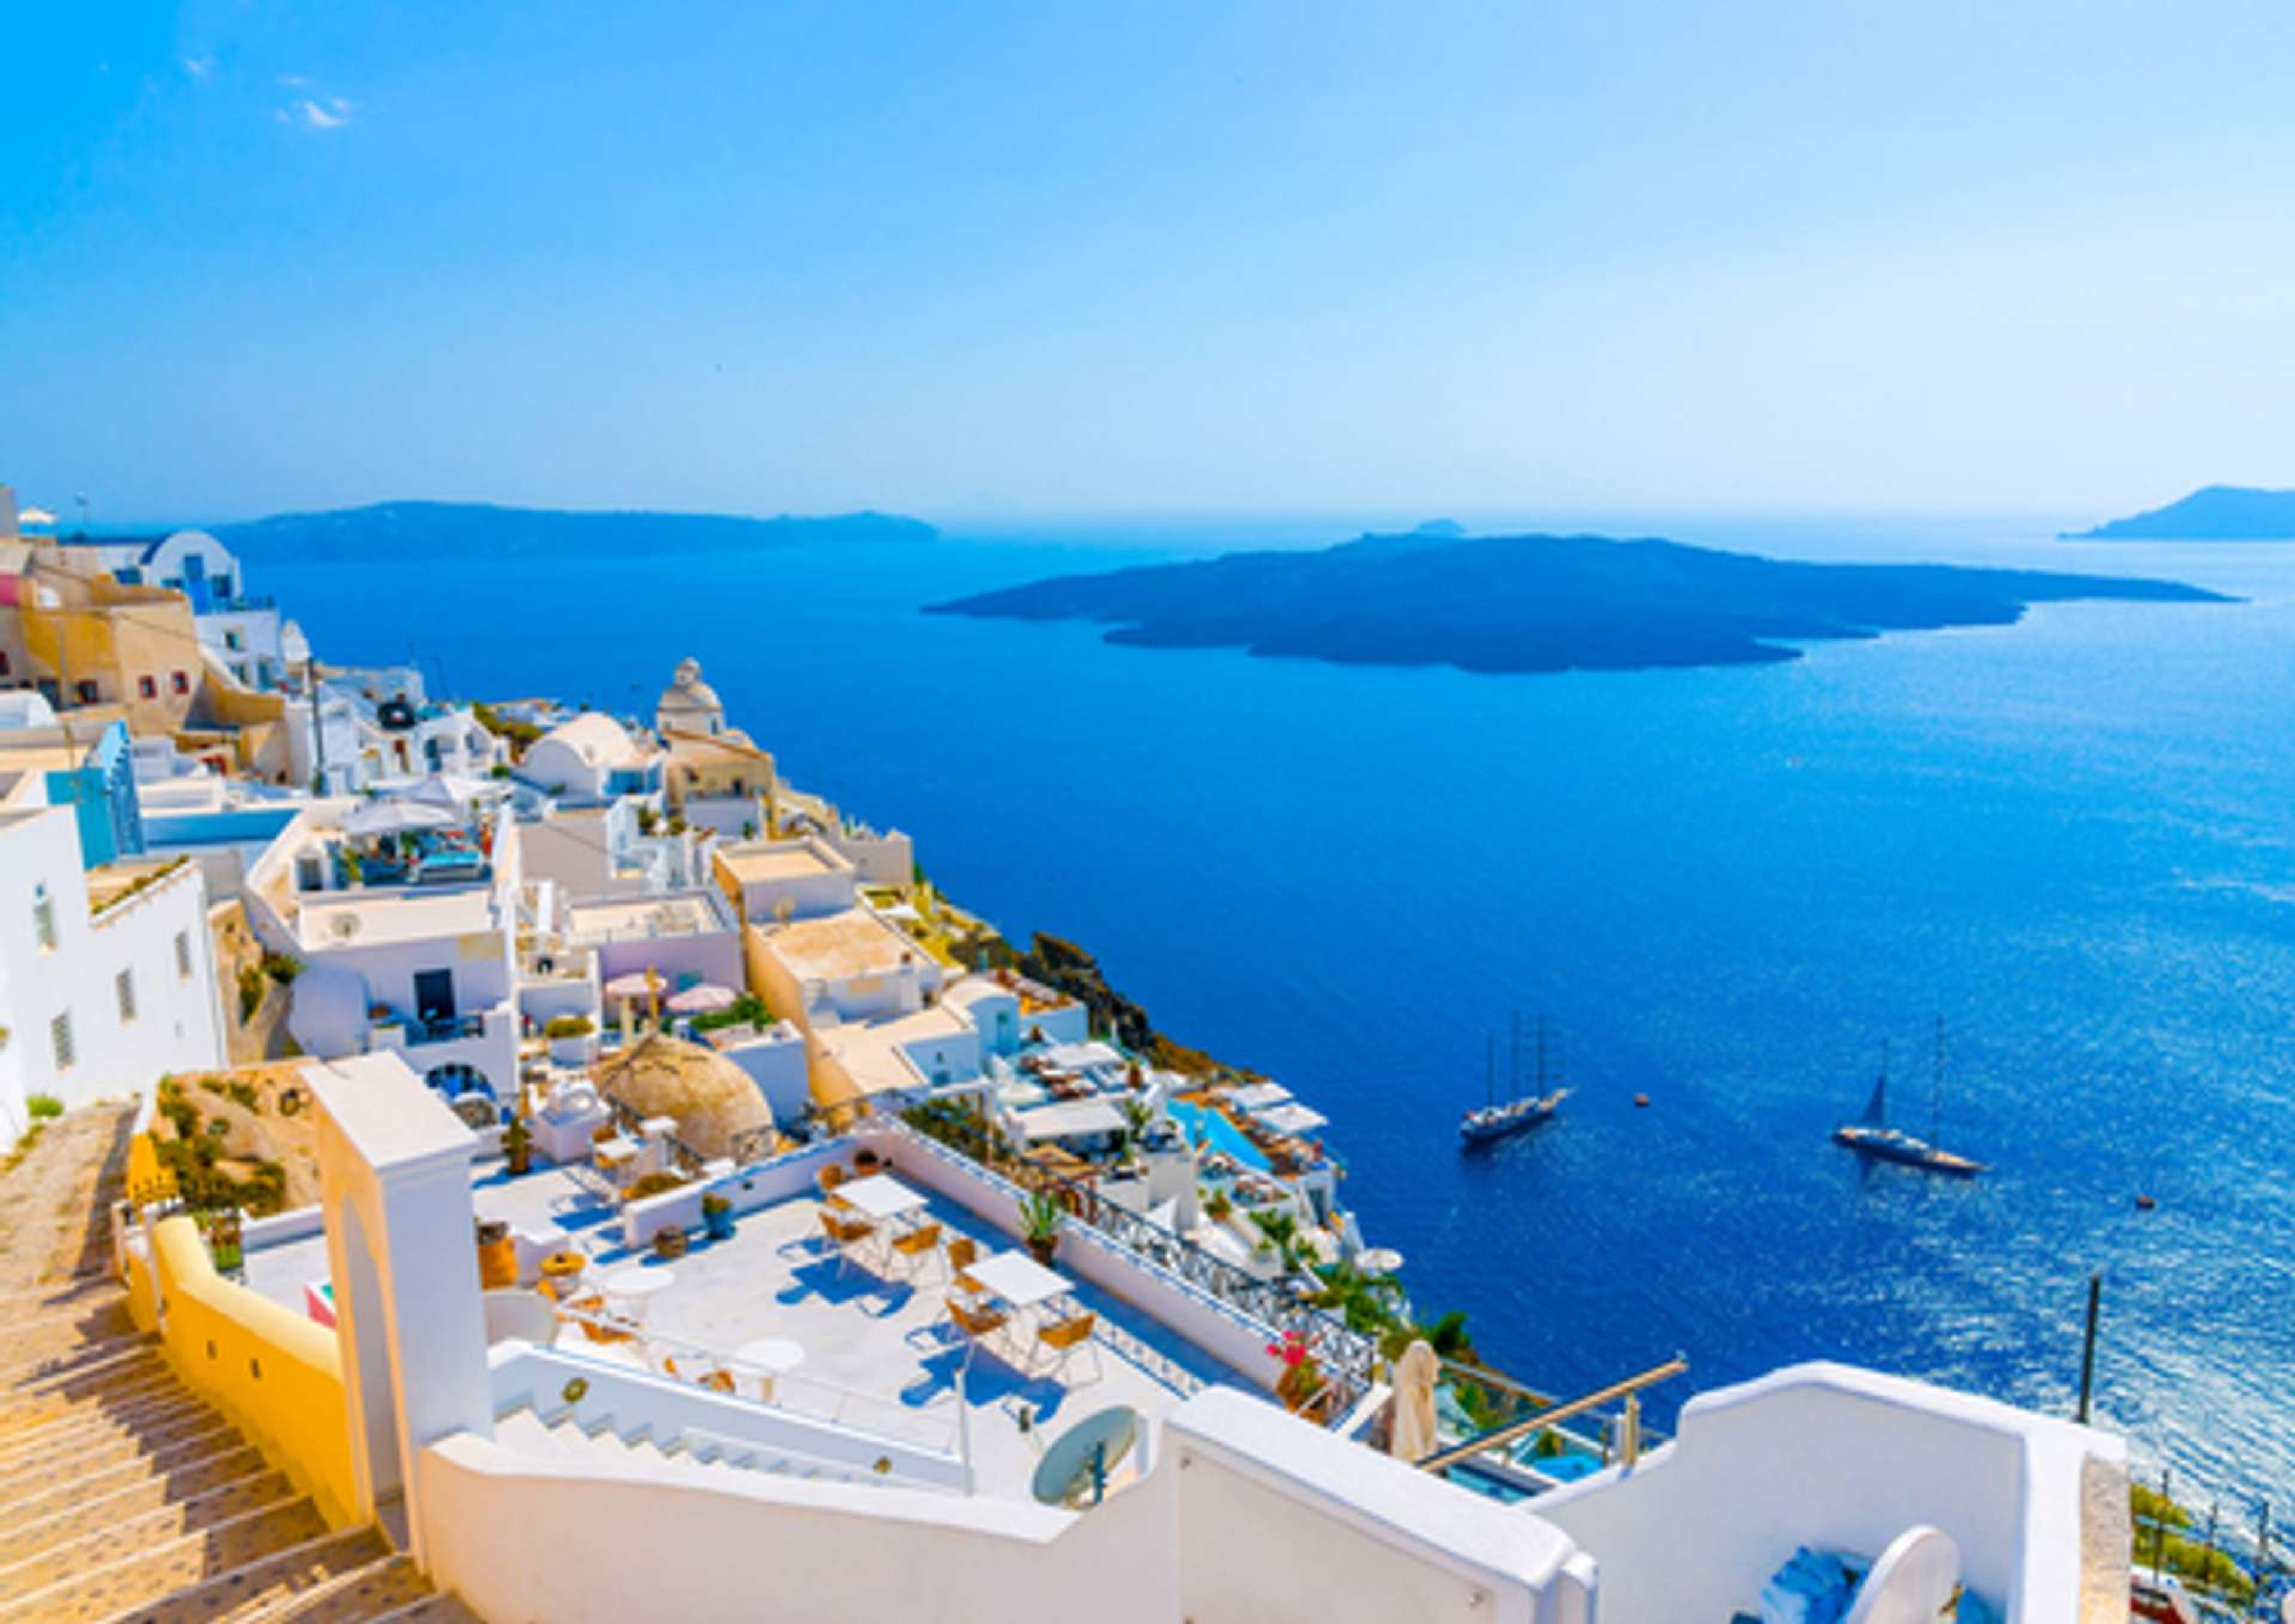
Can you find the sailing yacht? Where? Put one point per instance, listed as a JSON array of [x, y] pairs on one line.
[[1495, 1121], [1870, 1135]]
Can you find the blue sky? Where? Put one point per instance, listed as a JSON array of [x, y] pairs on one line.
[[971, 260]]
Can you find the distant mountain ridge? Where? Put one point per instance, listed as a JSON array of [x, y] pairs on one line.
[[2212, 513], [1536, 603], [444, 529]]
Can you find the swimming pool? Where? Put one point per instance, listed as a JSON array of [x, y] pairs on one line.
[[1203, 1125]]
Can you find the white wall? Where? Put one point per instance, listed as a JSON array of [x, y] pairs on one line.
[[775, 1062], [177, 1021], [1244, 1515], [1826, 1456]]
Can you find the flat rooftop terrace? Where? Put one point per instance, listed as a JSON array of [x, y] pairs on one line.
[[879, 1353]]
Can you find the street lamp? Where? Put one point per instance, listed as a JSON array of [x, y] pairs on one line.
[[295, 649]]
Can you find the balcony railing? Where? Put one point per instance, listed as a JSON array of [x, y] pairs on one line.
[[445, 1029], [1346, 1357]]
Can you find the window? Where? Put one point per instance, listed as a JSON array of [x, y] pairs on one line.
[[147, 687], [3, 662], [179, 683], [44, 918], [87, 692], [234, 641], [183, 955], [123, 988], [59, 1037]]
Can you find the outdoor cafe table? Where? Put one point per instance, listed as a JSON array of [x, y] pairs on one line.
[[1018, 1279], [635, 1286], [880, 1197]]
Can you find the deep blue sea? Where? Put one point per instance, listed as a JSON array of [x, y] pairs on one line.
[[2073, 839]]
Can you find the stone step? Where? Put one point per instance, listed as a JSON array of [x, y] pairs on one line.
[[83, 1395], [191, 1499], [71, 1288], [126, 1536], [73, 1352], [77, 1375], [432, 1609], [28, 1346], [206, 1574], [259, 1588], [94, 1456], [388, 1588], [143, 1412], [199, 1464]]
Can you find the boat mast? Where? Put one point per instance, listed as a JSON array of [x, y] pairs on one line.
[[1514, 1060], [1936, 1095], [1490, 1068], [1541, 1057]]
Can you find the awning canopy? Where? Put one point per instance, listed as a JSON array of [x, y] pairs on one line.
[[396, 817], [1069, 1118], [1294, 1119], [1260, 1096]]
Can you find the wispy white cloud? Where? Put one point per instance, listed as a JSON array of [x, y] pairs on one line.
[[294, 81], [198, 67], [317, 113]]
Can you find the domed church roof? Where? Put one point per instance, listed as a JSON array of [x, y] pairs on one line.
[[713, 1100], [689, 702]]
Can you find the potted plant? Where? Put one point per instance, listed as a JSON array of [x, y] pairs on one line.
[[1042, 1219], [1219, 1206], [718, 1217], [573, 1038], [518, 1146], [1301, 1380], [866, 1161], [669, 1242], [497, 1254]]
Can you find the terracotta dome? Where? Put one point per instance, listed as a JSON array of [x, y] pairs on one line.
[[713, 1100]]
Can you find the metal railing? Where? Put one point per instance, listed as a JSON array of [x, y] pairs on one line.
[[936, 1430], [1347, 1357], [1625, 1440]]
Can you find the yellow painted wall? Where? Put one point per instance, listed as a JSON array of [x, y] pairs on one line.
[[277, 1376]]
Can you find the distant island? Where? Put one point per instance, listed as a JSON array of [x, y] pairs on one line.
[[443, 529], [1536, 603], [2212, 513]]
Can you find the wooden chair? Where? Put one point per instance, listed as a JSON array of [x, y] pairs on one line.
[[829, 1177], [589, 1311], [848, 1235], [917, 1248], [974, 1323], [963, 1252], [1060, 1340]]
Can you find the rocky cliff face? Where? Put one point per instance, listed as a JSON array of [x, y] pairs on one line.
[[1066, 967]]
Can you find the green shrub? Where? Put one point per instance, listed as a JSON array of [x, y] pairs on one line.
[[653, 1184], [748, 1007], [281, 967], [569, 1026], [43, 1105]]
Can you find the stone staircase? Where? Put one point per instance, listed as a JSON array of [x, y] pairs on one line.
[[696, 1457], [123, 1495]]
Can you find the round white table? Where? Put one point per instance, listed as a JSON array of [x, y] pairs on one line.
[[635, 1285], [769, 1359]]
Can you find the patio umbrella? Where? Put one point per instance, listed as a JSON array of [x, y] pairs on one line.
[[703, 997], [635, 983], [450, 790], [1411, 1437], [1379, 1260], [396, 818]]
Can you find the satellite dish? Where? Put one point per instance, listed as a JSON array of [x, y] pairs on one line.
[[344, 927]]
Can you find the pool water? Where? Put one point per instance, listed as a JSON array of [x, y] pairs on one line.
[[1204, 1125]]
